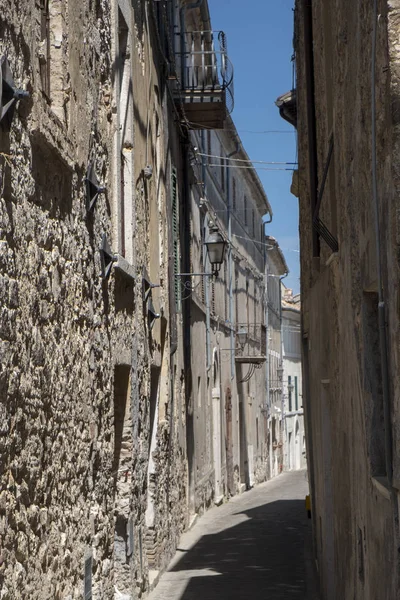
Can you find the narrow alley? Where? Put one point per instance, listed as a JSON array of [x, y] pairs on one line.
[[253, 547]]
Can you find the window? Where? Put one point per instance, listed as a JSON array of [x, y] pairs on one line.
[[51, 52], [245, 209], [208, 151], [233, 193], [296, 394], [290, 392], [123, 142], [44, 50]]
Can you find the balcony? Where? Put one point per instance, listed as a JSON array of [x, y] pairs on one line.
[[251, 343], [205, 89]]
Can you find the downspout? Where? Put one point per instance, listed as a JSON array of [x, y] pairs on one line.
[[206, 283], [269, 220], [230, 261], [311, 128], [383, 341], [267, 407], [283, 421]]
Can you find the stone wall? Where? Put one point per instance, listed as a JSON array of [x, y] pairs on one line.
[[354, 503], [77, 386]]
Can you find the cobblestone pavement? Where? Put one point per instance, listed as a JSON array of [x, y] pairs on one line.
[[251, 548]]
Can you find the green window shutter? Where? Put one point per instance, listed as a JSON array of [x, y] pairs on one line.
[[290, 393], [296, 396], [175, 238]]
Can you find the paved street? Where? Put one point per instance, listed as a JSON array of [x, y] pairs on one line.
[[251, 548]]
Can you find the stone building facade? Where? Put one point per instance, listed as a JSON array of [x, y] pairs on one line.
[[231, 422], [92, 399], [347, 59], [126, 402]]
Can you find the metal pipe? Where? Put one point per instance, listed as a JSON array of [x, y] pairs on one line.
[[383, 342], [281, 348], [269, 220], [230, 261], [266, 332], [207, 281]]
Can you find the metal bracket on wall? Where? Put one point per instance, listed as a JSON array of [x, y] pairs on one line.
[[107, 258], [147, 288], [318, 225], [249, 373], [93, 187], [10, 94]]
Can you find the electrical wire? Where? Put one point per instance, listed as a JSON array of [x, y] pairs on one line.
[[261, 132], [246, 160], [268, 246], [252, 168]]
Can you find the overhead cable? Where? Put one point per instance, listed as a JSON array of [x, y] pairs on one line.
[[246, 160]]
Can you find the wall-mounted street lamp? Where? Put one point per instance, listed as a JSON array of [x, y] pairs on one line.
[[242, 336], [216, 246]]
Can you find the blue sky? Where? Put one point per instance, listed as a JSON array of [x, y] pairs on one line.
[[260, 45]]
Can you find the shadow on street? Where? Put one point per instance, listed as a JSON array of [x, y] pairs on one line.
[[262, 558]]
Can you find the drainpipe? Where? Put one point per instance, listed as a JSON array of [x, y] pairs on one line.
[[283, 421], [207, 282], [230, 261], [267, 335], [383, 341]]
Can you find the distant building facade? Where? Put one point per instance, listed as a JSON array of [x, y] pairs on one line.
[[228, 317], [293, 415]]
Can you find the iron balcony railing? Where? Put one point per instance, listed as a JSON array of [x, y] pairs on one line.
[[205, 66]]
